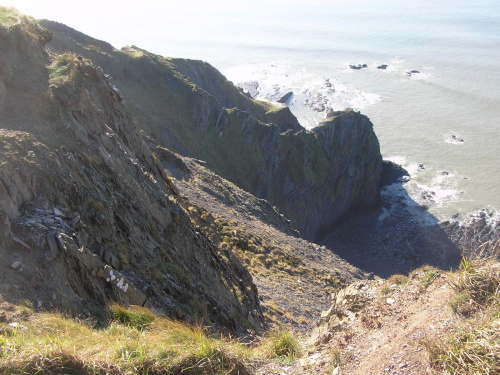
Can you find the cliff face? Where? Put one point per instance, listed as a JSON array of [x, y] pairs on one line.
[[321, 175], [86, 209], [314, 177]]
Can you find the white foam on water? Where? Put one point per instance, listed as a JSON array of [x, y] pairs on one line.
[[398, 159], [413, 169], [444, 177], [428, 194], [419, 76], [454, 138], [313, 93], [439, 193]]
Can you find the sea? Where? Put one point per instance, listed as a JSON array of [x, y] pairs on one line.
[[441, 121]]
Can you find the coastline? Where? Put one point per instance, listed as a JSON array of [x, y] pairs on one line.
[[442, 157]]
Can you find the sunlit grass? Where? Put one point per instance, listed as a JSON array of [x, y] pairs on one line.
[[51, 343], [62, 69], [8, 15], [474, 346]]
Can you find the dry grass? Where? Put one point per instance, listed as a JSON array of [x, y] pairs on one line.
[[398, 279], [135, 343], [474, 347], [279, 344]]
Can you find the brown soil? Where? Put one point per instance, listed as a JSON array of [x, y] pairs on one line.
[[384, 338]]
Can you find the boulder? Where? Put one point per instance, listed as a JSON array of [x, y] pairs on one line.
[[285, 98], [358, 67]]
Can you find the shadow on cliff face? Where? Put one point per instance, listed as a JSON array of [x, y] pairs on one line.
[[396, 237]]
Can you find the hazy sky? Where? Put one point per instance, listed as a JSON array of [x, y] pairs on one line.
[[117, 22], [158, 25]]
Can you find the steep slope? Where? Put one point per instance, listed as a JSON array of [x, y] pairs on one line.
[[88, 215], [294, 277], [314, 177], [430, 322]]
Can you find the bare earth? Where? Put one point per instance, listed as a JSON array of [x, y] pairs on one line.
[[387, 336]]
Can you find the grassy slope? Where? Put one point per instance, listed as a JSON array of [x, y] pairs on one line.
[[473, 347], [8, 16], [136, 341]]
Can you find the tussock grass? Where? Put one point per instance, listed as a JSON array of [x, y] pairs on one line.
[[135, 342], [479, 279], [135, 316], [398, 279], [63, 69], [474, 347], [280, 344]]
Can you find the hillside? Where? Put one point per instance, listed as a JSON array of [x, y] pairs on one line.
[[313, 177], [155, 220], [430, 322], [85, 188], [88, 215]]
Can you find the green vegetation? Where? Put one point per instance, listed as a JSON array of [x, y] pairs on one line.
[[429, 277], [474, 347], [135, 317], [133, 52], [9, 15], [135, 342], [280, 345], [63, 69], [285, 344]]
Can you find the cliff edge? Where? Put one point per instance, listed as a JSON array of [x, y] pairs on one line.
[[314, 177], [88, 216]]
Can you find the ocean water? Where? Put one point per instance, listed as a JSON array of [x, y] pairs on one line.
[[442, 124]]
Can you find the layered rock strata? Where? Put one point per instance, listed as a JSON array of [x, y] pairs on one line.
[[315, 178], [88, 216]]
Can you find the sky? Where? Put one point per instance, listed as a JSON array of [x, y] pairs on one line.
[[117, 22], [151, 24], [159, 26]]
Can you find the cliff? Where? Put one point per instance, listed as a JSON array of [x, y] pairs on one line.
[[314, 177], [95, 203], [88, 216]]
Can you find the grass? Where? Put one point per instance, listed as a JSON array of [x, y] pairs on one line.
[[135, 342], [8, 15], [430, 276], [62, 69], [474, 346], [281, 344], [398, 279], [135, 317]]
